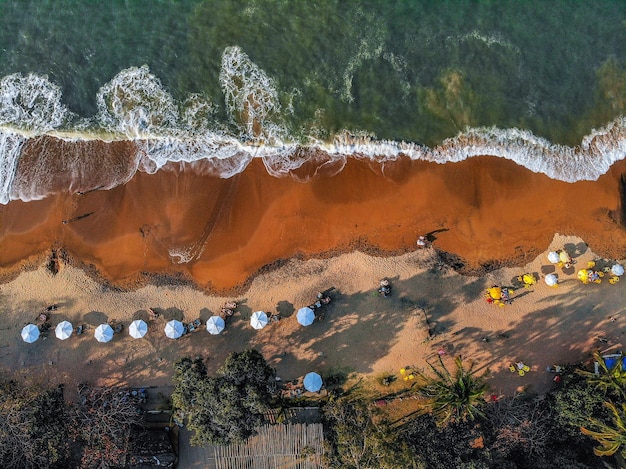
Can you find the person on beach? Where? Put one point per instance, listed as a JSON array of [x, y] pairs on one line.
[[422, 242], [385, 288]]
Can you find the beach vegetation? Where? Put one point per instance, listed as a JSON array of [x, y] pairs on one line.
[[101, 421], [519, 427], [358, 438], [611, 377], [610, 436], [458, 444], [225, 408], [455, 396], [575, 401], [33, 426]]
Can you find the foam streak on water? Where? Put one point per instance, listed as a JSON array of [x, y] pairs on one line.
[[10, 148], [135, 106]]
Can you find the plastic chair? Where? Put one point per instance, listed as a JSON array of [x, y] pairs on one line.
[[521, 372], [591, 264], [613, 280], [526, 368], [512, 368]]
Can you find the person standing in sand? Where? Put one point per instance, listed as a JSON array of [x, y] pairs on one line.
[[422, 242]]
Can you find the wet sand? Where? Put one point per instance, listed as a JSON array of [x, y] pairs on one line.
[[485, 212]]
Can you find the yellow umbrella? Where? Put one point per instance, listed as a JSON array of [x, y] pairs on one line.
[[564, 257], [528, 280], [495, 292], [583, 275]]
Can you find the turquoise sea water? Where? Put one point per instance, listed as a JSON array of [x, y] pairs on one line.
[[301, 70]]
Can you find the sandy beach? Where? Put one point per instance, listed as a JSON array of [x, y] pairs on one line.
[[183, 242], [219, 233], [361, 333]]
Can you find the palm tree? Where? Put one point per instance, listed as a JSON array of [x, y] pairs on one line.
[[609, 378], [611, 437], [454, 397]]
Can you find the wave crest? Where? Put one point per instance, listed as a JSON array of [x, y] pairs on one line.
[[31, 103], [135, 104], [251, 96]]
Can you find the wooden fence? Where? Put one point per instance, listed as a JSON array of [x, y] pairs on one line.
[[292, 446]]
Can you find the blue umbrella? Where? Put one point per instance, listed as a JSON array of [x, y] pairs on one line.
[[215, 325], [258, 320], [306, 316], [174, 329], [103, 333], [312, 382], [137, 329], [30, 333]]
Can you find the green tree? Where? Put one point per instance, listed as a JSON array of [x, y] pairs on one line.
[[357, 439], [612, 438], [226, 408], [454, 397], [574, 402], [33, 426], [611, 379]]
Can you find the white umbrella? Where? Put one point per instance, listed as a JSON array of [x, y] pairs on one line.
[[551, 280], [312, 382], [63, 330], [258, 320], [215, 325], [306, 316], [30, 333], [618, 270], [103, 333], [553, 257], [174, 329], [137, 329]]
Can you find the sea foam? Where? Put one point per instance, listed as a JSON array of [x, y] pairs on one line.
[[135, 106]]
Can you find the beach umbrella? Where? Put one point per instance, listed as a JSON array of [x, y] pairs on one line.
[[312, 382], [258, 320], [137, 329], [174, 329], [103, 333], [564, 257], [63, 330], [215, 325], [583, 275], [617, 270], [551, 280], [30, 333], [553, 257], [495, 293], [306, 316]]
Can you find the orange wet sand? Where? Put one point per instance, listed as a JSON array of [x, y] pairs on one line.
[[493, 211]]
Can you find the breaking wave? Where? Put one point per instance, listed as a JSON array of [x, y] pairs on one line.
[[135, 106]]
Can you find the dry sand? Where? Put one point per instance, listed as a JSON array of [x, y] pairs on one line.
[[361, 332]]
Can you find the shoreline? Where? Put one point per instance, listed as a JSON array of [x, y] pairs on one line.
[[432, 307], [221, 233]]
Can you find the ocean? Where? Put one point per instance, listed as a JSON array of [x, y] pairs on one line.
[[299, 83]]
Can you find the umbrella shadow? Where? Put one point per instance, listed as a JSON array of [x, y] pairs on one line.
[[141, 314], [285, 308], [171, 313], [205, 314], [575, 250], [95, 318]]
